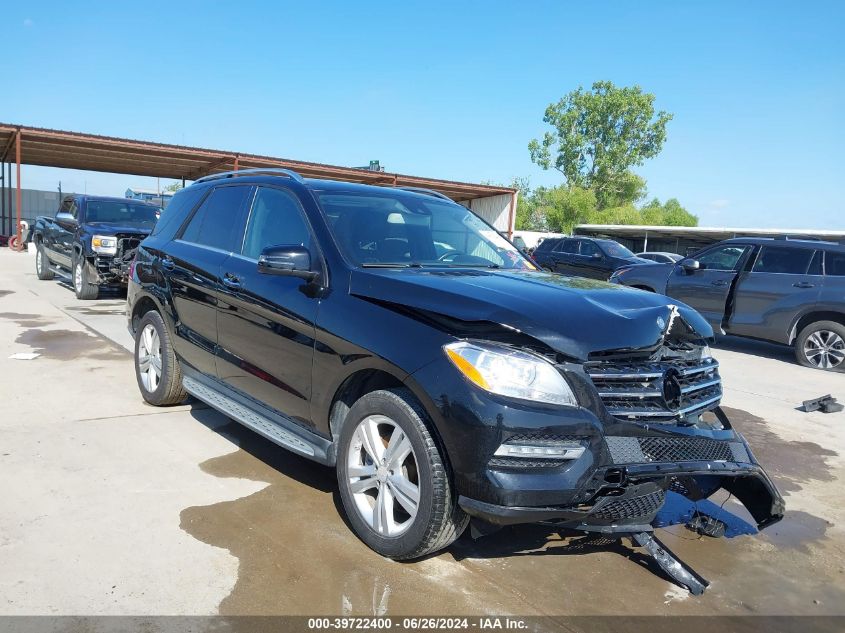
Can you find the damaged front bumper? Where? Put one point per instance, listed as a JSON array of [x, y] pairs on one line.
[[638, 493]]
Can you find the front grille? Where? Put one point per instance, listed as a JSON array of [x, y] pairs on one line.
[[639, 450], [693, 449], [642, 507], [657, 391], [540, 438], [126, 247]]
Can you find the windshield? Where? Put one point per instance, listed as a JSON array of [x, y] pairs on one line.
[[615, 249], [116, 212], [406, 230]]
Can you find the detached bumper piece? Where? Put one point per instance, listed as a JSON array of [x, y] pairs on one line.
[[827, 404], [667, 561]]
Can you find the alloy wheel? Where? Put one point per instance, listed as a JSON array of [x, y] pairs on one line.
[[38, 260], [77, 278], [149, 358], [382, 476], [824, 349]]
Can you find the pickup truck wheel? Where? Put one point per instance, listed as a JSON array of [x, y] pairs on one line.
[[84, 289], [42, 264], [393, 480], [821, 345], [157, 369]]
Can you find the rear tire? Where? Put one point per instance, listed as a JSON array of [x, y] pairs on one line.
[[42, 264], [83, 288], [821, 345], [157, 369], [400, 501]]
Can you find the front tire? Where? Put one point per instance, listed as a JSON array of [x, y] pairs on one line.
[[85, 290], [42, 264], [394, 482], [821, 345], [157, 369]]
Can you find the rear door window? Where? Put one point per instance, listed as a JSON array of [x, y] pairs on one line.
[[779, 259], [816, 264], [588, 249], [567, 246], [834, 264], [217, 223]]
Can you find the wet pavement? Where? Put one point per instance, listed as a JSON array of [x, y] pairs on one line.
[[183, 511]]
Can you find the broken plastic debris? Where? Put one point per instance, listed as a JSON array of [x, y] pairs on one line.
[[827, 404], [24, 356]]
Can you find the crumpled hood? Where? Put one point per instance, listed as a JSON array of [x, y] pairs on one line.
[[572, 315]]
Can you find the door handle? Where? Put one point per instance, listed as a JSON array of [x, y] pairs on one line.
[[719, 282], [168, 263], [804, 284], [231, 281]]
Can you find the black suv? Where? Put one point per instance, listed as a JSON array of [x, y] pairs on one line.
[[322, 315], [94, 238], [781, 290], [584, 257]]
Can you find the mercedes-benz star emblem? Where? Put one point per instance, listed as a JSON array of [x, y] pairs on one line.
[[672, 389]]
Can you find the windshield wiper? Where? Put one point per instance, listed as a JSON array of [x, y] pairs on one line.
[[490, 265], [391, 265]]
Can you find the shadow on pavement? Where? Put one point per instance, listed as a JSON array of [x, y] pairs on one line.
[[763, 349]]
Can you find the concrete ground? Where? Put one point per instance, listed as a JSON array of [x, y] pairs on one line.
[[109, 506]]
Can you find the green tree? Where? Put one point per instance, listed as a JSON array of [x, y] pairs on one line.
[[173, 187], [529, 217], [564, 207], [598, 136], [669, 214]]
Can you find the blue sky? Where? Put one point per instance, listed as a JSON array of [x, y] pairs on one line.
[[451, 90]]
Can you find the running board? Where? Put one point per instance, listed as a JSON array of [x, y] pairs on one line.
[[259, 423]]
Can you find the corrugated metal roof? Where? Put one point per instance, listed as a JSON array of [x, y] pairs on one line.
[[721, 233], [73, 150]]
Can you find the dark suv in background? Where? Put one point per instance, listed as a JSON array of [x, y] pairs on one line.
[[584, 256], [782, 290], [398, 338]]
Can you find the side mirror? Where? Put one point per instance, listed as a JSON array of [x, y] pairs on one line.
[[288, 261], [63, 217], [690, 265], [597, 256]]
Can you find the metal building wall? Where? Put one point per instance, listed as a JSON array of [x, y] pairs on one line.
[[34, 202], [496, 210]]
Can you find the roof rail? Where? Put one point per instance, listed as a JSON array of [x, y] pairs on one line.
[[804, 238], [268, 171], [426, 192]]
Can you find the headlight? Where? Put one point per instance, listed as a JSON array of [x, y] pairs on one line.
[[510, 372], [104, 244]]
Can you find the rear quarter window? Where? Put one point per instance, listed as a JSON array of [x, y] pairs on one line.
[[178, 209]]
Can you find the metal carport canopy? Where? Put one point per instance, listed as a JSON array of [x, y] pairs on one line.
[[73, 150]]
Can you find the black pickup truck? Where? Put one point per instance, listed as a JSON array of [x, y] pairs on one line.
[[94, 238]]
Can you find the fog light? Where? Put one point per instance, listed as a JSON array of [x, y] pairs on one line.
[[541, 451]]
